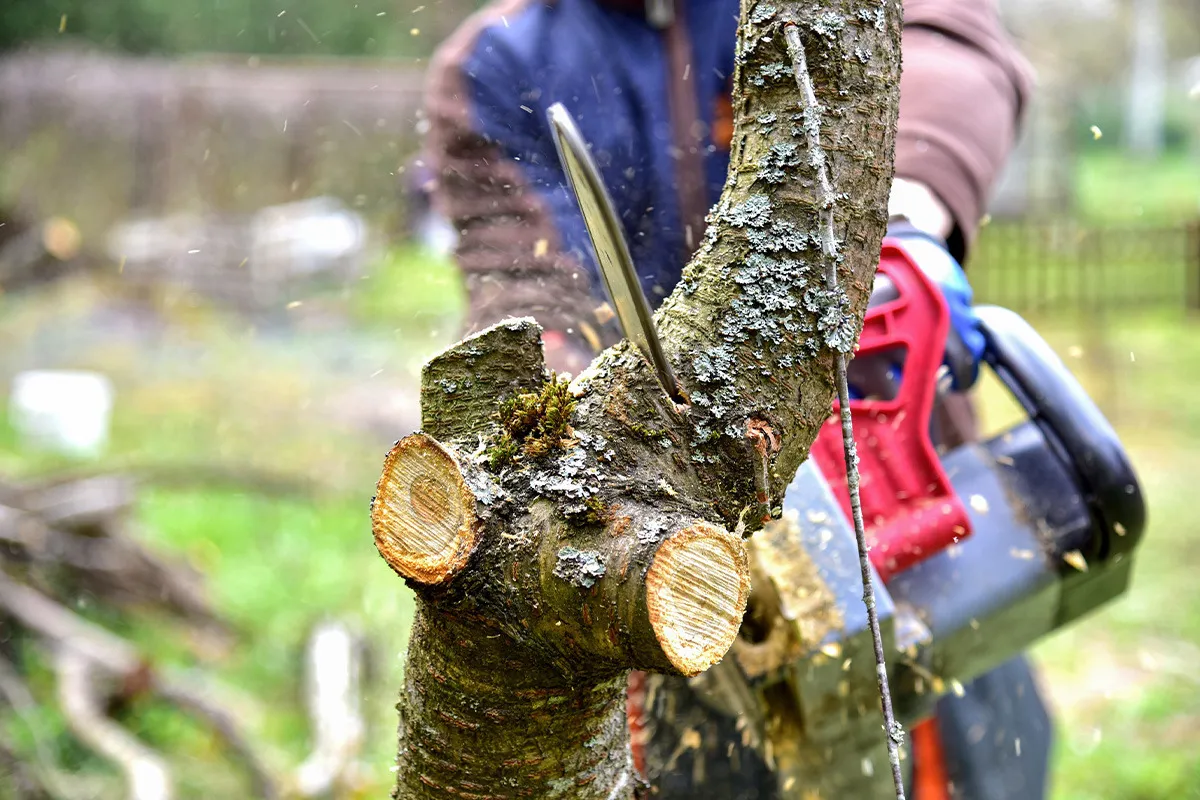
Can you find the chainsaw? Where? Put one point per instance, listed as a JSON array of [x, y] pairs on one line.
[[977, 552]]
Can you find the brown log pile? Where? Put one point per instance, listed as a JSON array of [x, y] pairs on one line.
[[71, 544]]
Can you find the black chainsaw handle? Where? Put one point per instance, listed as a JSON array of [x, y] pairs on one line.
[[1069, 418]]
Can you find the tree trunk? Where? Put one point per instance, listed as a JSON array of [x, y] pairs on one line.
[[557, 538], [1145, 116]]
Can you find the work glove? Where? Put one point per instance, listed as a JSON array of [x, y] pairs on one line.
[[965, 343]]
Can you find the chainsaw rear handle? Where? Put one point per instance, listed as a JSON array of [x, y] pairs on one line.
[[959, 359], [908, 502], [1071, 422]]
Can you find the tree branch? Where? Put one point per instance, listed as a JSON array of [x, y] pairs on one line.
[[120, 660], [145, 771], [334, 696], [557, 539], [16, 694]]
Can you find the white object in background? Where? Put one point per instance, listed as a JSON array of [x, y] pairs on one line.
[[334, 695], [61, 410], [310, 236]]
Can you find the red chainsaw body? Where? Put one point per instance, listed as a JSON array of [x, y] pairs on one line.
[[910, 510]]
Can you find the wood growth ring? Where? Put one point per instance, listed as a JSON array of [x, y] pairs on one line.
[[423, 515], [696, 593]]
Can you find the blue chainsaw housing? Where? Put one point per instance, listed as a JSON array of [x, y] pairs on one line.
[[1056, 513]]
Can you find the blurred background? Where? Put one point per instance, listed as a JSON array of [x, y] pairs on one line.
[[219, 278]]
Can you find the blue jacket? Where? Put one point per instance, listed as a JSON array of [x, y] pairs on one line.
[[654, 103], [523, 246]]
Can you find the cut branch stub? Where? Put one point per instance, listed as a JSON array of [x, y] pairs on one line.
[[423, 515], [462, 387], [696, 593]]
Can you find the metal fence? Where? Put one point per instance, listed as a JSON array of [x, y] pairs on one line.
[[1070, 267]]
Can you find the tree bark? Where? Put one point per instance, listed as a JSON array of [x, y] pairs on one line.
[[557, 539]]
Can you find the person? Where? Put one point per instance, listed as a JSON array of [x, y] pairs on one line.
[[649, 84]]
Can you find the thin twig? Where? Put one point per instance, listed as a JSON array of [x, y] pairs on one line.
[[895, 733], [145, 771], [217, 475], [228, 729], [109, 563]]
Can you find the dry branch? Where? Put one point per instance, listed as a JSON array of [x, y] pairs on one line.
[[74, 535], [68, 537], [82, 505], [334, 694], [22, 780], [145, 771], [66, 632], [43, 772], [206, 475]]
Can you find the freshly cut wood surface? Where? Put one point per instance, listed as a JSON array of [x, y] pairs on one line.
[[696, 592], [423, 514]]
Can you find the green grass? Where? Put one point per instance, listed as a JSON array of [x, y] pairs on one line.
[[1124, 682], [1112, 188]]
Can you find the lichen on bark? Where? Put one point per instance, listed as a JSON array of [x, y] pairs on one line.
[[774, 357], [613, 552]]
